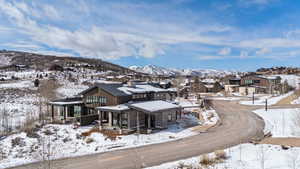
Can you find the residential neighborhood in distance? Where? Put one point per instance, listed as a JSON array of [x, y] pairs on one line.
[[136, 84]]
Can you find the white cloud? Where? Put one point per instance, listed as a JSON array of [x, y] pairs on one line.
[[21, 45], [210, 57], [263, 51], [51, 12], [4, 29], [244, 54], [142, 36], [225, 51]]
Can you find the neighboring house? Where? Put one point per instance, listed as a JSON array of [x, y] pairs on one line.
[[213, 87], [263, 84], [120, 106], [232, 85], [206, 86]]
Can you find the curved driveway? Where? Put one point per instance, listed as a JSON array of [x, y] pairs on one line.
[[238, 125]]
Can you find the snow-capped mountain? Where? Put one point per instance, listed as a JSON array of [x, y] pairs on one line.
[[157, 70]]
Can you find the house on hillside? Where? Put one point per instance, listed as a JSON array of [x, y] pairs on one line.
[[123, 107], [260, 84], [204, 86], [232, 85]]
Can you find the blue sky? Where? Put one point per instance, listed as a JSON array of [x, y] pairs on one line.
[[232, 34]]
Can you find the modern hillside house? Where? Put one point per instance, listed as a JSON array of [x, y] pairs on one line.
[[119, 106], [261, 84]]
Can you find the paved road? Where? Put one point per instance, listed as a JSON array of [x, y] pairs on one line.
[[238, 125]]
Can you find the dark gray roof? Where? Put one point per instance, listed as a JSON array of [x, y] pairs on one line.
[[111, 88], [68, 99]]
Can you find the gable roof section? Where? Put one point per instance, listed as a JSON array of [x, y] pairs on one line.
[[67, 101], [111, 88], [117, 89], [153, 106]]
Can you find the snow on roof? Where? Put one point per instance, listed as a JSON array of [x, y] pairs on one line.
[[141, 88], [269, 77], [154, 106], [208, 81], [120, 107], [66, 103], [172, 89], [209, 86]]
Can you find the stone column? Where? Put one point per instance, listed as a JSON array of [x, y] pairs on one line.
[[149, 121], [138, 122], [149, 124], [100, 119], [67, 114], [110, 120]]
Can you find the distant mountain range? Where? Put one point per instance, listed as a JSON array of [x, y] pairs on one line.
[[157, 70]]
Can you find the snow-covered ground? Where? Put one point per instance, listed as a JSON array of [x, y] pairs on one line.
[[18, 111], [281, 122], [187, 103], [245, 156], [68, 142], [210, 117], [17, 103], [17, 85], [293, 80], [296, 101], [70, 89], [261, 100], [227, 98]]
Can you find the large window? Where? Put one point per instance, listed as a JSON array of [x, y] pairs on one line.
[[96, 99], [124, 117], [248, 82], [256, 81], [77, 111]]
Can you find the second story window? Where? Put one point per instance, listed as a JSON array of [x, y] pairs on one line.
[[96, 100]]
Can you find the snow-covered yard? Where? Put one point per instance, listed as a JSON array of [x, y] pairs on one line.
[[17, 85], [245, 156], [70, 89], [261, 100], [187, 103], [296, 101], [281, 122], [17, 111], [17, 103], [292, 80], [68, 142]]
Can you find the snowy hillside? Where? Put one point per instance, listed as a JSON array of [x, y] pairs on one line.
[[157, 70], [293, 80], [4, 60]]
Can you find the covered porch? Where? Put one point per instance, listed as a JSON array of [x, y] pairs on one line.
[[66, 110], [137, 117]]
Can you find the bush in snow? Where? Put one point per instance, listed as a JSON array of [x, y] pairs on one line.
[[18, 141], [220, 155], [32, 134], [206, 160], [89, 140], [67, 139]]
